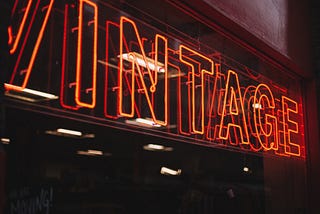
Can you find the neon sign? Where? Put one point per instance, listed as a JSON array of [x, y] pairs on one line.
[[113, 67]]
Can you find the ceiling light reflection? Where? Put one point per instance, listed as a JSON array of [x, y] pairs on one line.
[[69, 132], [168, 171], [156, 147], [5, 140], [25, 93], [143, 122], [149, 63], [92, 152], [246, 169]]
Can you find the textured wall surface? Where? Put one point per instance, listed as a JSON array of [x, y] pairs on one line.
[[265, 19], [283, 25]]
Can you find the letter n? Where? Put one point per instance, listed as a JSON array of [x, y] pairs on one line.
[[141, 75]]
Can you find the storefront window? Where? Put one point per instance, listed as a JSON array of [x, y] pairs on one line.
[[140, 107]]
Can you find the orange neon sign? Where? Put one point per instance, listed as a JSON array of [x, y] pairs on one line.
[[137, 62], [23, 59], [265, 126], [15, 42], [186, 58], [290, 126], [233, 107], [126, 72], [94, 23]]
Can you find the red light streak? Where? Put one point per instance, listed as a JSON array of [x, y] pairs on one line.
[[21, 27], [35, 49], [79, 71], [290, 126], [14, 7], [10, 39], [64, 63], [110, 74], [183, 82]]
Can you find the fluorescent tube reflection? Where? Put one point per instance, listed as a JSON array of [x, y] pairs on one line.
[[167, 171], [5, 140], [92, 152], [69, 132], [147, 122], [143, 122], [95, 152], [140, 60], [31, 91], [156, 147]]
